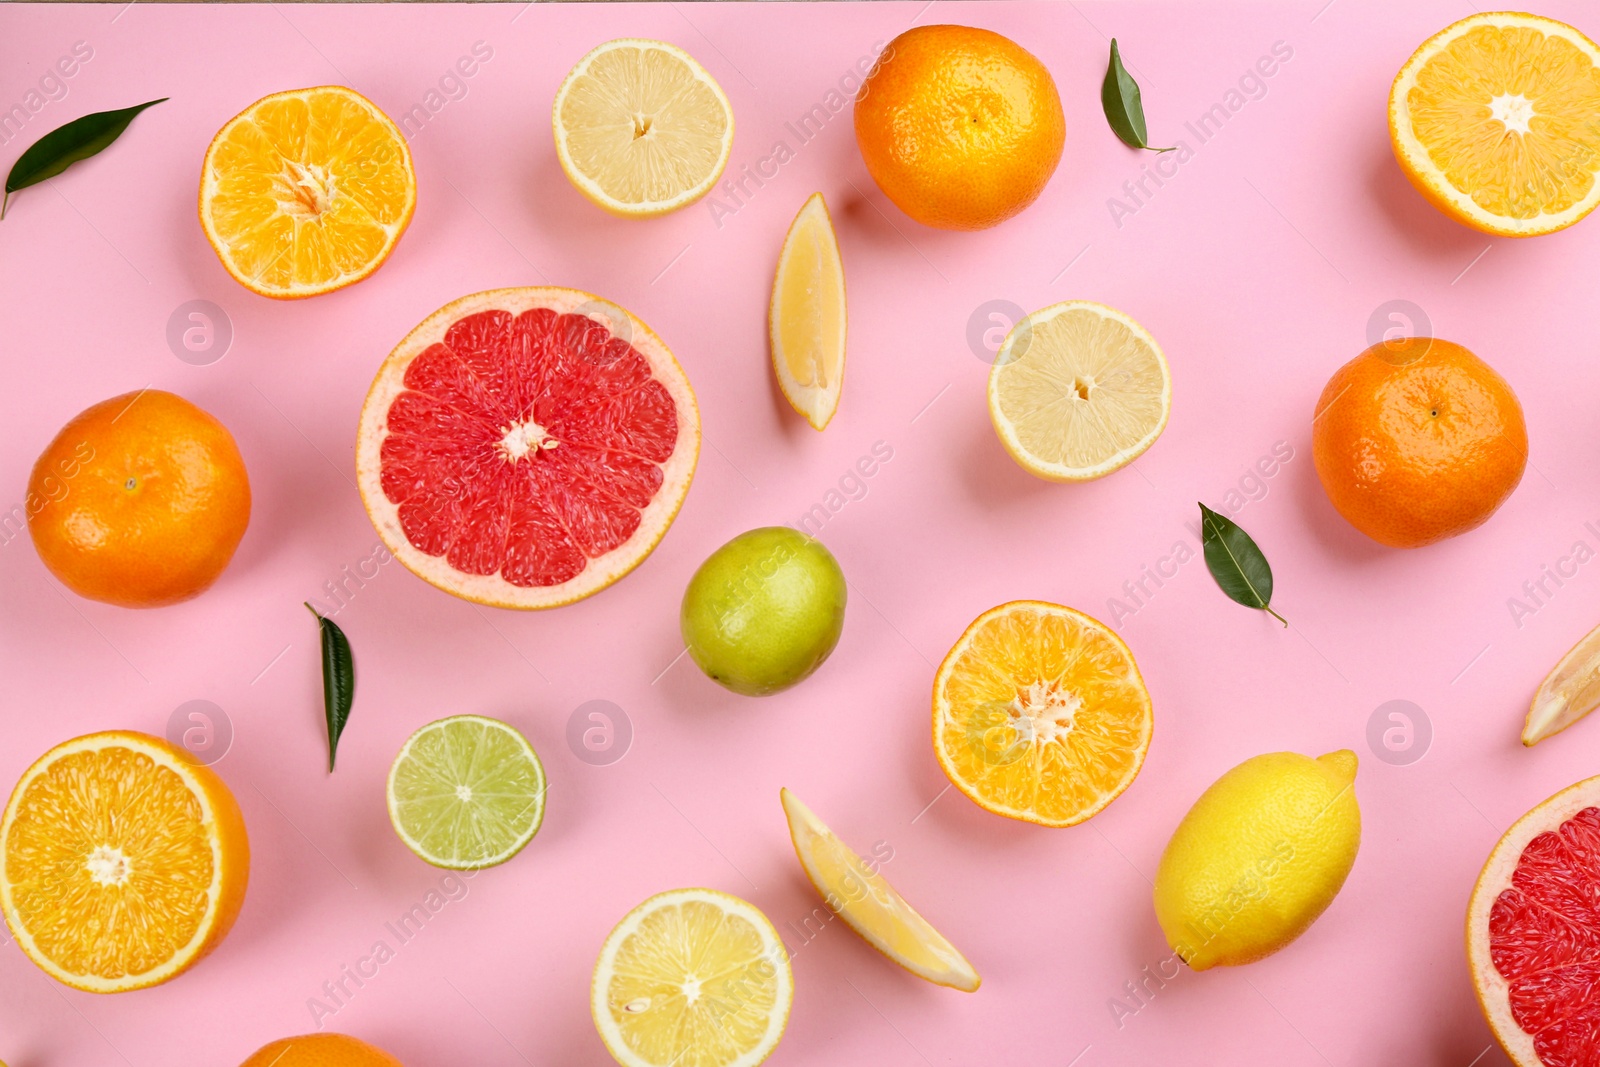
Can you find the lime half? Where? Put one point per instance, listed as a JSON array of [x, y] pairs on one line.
[[466, 792]]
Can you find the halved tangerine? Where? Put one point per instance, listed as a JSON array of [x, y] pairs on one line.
[[527, 447], [1533, 933]]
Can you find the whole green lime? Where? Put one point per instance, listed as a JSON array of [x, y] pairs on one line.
[[764, 611]]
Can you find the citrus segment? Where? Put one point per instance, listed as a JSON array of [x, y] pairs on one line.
[[692, 978], [1040, 714], [122, 861], [641, 129], [806, 319], [1492, 120], [1569, 692], [466, 792], [1533, 932], [862, 897], [1078, 390], [306, 191], [526, 447]]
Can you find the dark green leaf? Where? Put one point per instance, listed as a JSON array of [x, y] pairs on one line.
[[338, 681], [65, 145], [1240, 569], [1119, 96]]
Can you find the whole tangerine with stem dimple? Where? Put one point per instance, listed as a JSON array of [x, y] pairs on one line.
[[1416, 440], [960, 127]]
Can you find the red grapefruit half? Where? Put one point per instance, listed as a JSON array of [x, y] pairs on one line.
[[526, 448], [1533, 933]]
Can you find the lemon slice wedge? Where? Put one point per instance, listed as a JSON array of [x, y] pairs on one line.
[[862, 897], [1569, 692], [1492, 119], [1078, 390], [806, 319], [692, 978], [641, 128]]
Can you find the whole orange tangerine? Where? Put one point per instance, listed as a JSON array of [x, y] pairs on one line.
[[139, 501], [960, 127], [1416, 440], [321, 1050]]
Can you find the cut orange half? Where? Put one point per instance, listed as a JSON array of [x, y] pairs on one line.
[[122, 861], [1040, 714], [1569, 692], [862, 897], [306, 191], [1494, 121], [526, 447], [806, 319]]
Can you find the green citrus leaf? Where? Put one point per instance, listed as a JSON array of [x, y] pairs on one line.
[[1237, 564], [65, 145], [1119, 96], [338, 681]]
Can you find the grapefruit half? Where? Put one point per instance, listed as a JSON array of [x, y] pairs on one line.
[[1533, 933], [525, 448]]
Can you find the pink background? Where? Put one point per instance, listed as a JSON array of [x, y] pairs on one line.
[[1257, 266]]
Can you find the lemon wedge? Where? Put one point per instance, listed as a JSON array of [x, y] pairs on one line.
[[1569, 692], [1078, 390], [641, 128], [862, 897], [806, 319]]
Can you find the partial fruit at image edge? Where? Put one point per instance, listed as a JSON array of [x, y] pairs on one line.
[[1416, 440], [859, 894], [466, 792], [1530, 932], [320, 1050], [123, 862], [960, 127], [640, 128], [1040, 714], [306, 191], [139, 501], [806, 319], [1491, 119], [764, 611], [525, 448], [1078, 390], [1569, 692], [1258, 858], [692, 976]]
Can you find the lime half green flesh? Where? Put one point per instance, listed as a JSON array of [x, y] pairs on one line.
[[466, 792]]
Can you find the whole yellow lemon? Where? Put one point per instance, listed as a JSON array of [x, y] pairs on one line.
[[1262, 853]]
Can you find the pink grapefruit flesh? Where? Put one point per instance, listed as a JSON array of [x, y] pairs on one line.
[[526, 448], [1533, 933]]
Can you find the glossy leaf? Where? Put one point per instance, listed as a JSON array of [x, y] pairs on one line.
[[338, 681], [1124, 108], [1237, 564], [66, 145]]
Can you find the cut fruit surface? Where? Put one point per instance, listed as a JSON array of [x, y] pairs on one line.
[[1533, 933], [1492, 119], [692, 978], [641, 129], [806, 320], [526, 448], [1078, 390], [466, 792], [306, 191], [862, 897], [1040, 714], [1569, 692], [122, 861]]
